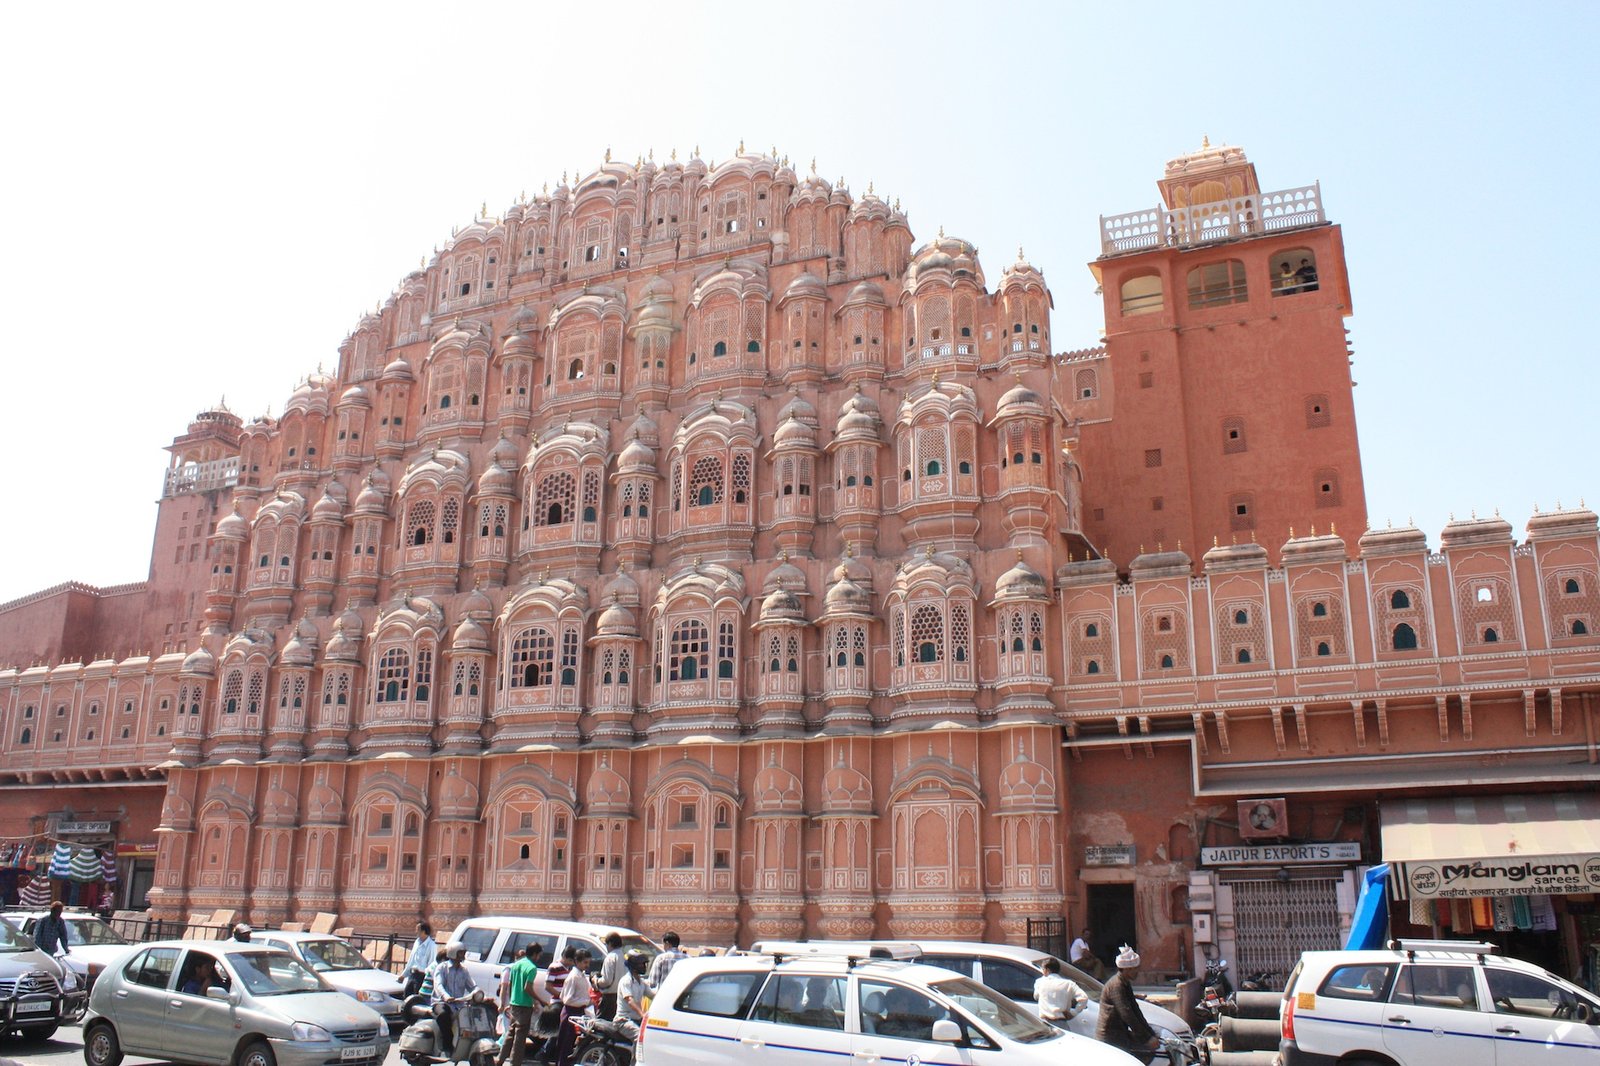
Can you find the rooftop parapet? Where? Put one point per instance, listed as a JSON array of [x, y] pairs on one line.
[[1247, 215]]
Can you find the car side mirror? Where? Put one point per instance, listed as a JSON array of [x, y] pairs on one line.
[[1581, 1013], [946, 1031], [218, 992]]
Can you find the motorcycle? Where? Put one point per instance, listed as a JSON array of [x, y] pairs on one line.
[[601, 1043], [421, 1043], [1261, 981], [1216, 1001]]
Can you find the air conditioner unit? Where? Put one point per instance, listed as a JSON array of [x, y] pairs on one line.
[[1263, 819]]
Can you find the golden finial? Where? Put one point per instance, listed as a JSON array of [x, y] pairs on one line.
[[1019, 555], [1252, 536], [783, 556], [869, 188], [1497, 512], [928, 552], [547, 188], [422, 261], [483, 209], [1205, 140], [674, 155], [1160, 547], [608, 153], [849, 552], [1180, 545], [941, 232], [1333, 529], [651, 155], [897, 203], [1291, 532], [936, 379], [1141, 549], [697, 149], [841, 181], [1019, 253], [545, 577], [522, 196], [813, 165], [563, 177], [741, 146], [1313, 529], [1214, 543]]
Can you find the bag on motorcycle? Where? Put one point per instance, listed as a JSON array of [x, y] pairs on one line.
[[421, 1036]]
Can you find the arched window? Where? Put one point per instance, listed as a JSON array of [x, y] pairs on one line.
[[720, 348], [1398, 600], [1490, 636], [1243, 656], [1579, 628], [575, 370], [27, 735], [927, 634], [1216, 284], [1405, 638], [691, 651], [1085, 384], [533, 658], [1294, 271], [394, 676], [1141, 295], [933, 469], [1241, 618], [1571, 588], [1323, 649], [1091, 630], [1166, 662], [553, 500], [725, 651], [1093, 667], [753, 346], [1319, 610]]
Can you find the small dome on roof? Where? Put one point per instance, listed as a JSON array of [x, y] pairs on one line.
[[1227, 557], [1021, 582], [867, 292], [781, 605], [302, 647], [794, 433], [858, 416], [785, 575], [798, 407], [234, 526], [1400, 540], [371, 498], [808, 285], [496, 480], [623, 589], [524, 320], [355, 396], [845, 595], [399, 370], [505, 452], [199, 663], [1570, 522], [636, 458], [1020, 398], [329, 507], [616, 621], [470, 636]]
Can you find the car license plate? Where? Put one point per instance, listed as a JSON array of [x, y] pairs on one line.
[[37, 1006], [357, 1053]]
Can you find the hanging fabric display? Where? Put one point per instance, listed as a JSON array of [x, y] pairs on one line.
[[1502, 914], [61, 862], [108, 867], [36, 894], [85, 865]]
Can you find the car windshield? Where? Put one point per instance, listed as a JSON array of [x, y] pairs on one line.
[[13, 939], [1091, 987], [91, 931], [996, 1011], [331, 954], [271, 973]]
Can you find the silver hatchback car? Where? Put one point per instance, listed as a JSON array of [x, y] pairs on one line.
[[227, 1004]]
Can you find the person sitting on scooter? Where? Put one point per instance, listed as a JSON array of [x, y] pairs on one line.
[[452, 984], [631, 991]]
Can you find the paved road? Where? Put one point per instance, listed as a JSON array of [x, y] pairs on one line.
[[66, 1049]]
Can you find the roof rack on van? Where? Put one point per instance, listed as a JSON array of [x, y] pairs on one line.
[[853, 951], [1460, 947]]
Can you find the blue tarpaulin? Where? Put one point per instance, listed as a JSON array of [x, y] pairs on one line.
[[1371, 924]]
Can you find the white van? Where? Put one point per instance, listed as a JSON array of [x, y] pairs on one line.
[[817, 1009], [492, 944], [1008, 970]]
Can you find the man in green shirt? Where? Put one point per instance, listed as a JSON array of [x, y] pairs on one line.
[[520, 1004]]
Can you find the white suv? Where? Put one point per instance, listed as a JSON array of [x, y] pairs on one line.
[[821, 1009], [1433, 1003]]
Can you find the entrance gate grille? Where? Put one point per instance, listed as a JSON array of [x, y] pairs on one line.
[[1274, 921]]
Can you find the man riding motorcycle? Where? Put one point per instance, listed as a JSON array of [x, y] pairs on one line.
[[452, 986]]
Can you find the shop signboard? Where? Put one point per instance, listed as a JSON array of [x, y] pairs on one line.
[[1525, 875], [83, 829], [1108, 855], [136, 851], [1337, 851]]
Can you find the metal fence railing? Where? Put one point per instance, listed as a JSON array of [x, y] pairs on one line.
[[387, 951]]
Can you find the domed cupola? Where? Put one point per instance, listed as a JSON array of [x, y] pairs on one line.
[[344, 646], [637, 458], [372, 499], [329, 508], [398, 370], [1020, 400], [617, 621], [355, 396], [469, 636], [798, 408], [301, 650], [199, 663], [794, 458], [1021, 582], [794, 433], [234, 526]]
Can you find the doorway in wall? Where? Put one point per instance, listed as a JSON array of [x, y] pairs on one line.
[[1111, 921]]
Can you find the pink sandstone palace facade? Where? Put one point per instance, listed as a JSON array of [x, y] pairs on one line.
[[691, 548]]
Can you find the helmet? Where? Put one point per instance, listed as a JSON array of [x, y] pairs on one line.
[[455, 951], [636, 959], [242, 931]]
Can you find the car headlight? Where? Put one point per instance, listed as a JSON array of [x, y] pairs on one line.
[[308, 1032], [370, 995]]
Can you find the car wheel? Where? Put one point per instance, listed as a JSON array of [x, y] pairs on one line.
[[101, 1046], [257, 1054]]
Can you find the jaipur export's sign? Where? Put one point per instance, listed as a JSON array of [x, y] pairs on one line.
[[1533, 876], [1281, 854]]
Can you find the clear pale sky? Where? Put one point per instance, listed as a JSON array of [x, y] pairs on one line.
[[200, 201]]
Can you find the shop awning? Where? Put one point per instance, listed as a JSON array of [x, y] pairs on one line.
[[1494, 845]]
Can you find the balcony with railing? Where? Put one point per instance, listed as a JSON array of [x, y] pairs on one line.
[[1223, 220], [201, 477]]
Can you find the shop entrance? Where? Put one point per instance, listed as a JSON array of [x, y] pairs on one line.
[[1111, 921], [1274, 920]]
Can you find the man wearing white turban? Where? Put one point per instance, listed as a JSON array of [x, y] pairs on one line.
[[1121, 1022]]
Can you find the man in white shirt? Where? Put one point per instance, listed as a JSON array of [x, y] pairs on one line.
[[631, 993], [576, 998], [663, 963], [1083, 957], [1058, 998], [423, 954]]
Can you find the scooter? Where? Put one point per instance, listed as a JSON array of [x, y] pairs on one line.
[[601, 1043], [420, 1044]]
